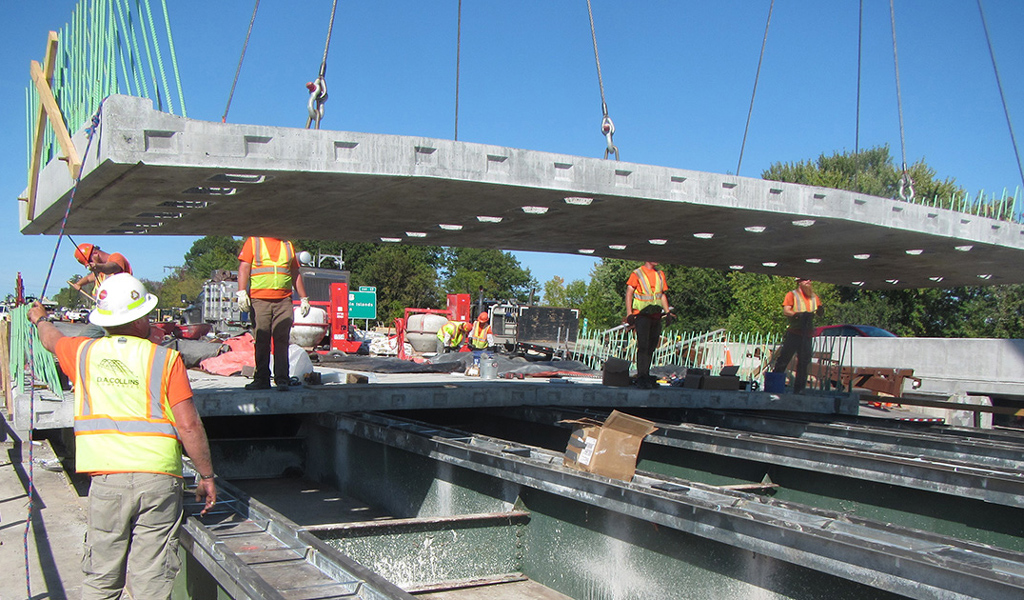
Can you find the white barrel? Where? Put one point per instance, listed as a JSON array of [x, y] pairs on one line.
[[309, 330], [421, 331]]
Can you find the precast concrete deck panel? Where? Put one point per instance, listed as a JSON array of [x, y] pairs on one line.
[[153, 173]]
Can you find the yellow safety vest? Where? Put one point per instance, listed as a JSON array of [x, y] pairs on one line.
[[123, 423], [270, 273], [646, 296], [803, 304], [452, 329], [478, 337]]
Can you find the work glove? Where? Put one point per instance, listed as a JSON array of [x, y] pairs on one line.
[[304, 306], [243, 300]]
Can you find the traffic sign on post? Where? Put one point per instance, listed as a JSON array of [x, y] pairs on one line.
[[362, 304]]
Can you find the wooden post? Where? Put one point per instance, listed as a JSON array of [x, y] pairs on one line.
[[42, 76]]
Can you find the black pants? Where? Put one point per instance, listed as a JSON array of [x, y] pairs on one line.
[[648, 334], [802, 345]]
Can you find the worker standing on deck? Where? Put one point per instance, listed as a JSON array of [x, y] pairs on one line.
[[451, 335], [800, 306], [646, 305], [267, 271], [480, 336], [133, 414]]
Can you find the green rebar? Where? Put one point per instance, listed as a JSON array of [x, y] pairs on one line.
[[159, 57], [174, 58]]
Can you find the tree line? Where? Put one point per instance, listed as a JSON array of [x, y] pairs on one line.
[[704, 299]]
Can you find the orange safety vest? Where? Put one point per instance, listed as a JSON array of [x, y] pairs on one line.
[[646, 295], [478, 336], [802, 303], [271, 273], [123, 422]]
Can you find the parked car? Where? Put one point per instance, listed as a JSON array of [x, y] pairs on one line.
[[76, 316], [852, 331]]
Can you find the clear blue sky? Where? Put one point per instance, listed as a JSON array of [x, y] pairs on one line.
[[677, 74]]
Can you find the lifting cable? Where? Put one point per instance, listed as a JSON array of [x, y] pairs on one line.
[[906, 183], [1002, 95], [607, 127], [318, 89], [458, 53], [224, 119], [753, 94], [34, 337], [860, 54]]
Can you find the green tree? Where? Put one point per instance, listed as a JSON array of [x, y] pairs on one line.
[[467, 270], [560, 295], [604, 305], [210, 253], [701, 298], [403, 277]]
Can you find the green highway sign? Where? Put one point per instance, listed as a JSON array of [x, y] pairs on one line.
[[362, 305]]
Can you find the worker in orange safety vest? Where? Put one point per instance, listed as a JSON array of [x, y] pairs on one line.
[[799, 306], [646, 304], [100, 264], [267, 271], [480, 336]]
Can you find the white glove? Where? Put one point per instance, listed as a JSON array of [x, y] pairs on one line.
[[304, 306], [243, 300]]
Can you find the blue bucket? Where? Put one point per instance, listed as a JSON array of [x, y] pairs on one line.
[[775, 383]]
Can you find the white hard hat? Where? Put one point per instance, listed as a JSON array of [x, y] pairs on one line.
[[121, 299]]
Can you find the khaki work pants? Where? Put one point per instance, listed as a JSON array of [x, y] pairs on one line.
[[273, 321], [132, 528]]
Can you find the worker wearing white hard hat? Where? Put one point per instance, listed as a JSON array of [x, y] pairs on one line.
[[133, 415]]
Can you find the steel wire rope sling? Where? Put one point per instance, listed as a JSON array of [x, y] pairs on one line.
[[318, 88], [1002, 95], [91, 130], [607, 127], [458, 56], [906, 183], [231, 94], [757, 76]]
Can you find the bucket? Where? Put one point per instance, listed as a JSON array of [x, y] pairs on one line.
[[488, 367], [775, 383]]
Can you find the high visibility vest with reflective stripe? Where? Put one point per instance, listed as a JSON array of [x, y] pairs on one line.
[[647, 296], [271, 273], [122, 421], [478, 337], [803, 304], [453, 331]]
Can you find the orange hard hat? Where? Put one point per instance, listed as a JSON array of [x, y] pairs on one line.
[[467, 325], [83, 253], [483, 317]]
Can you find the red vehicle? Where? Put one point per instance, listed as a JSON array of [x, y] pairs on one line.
[[852, 331]]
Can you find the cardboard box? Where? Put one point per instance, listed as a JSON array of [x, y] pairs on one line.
[[610, 448]]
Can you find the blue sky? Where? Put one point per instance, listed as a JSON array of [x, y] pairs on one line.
[[677, 75]]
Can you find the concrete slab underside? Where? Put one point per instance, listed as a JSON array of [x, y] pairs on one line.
[[157, 174]]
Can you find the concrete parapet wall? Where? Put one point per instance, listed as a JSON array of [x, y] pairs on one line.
[[976, 366]]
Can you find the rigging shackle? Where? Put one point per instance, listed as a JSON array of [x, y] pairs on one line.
[[608, 129], [317, 99]]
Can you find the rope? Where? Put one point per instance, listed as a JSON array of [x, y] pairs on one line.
[[607, 127], [860, 55], [93, 128], [1002, 95], [905, 180], [231, 94], [458, 54], [318, 89], [753, 94]]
